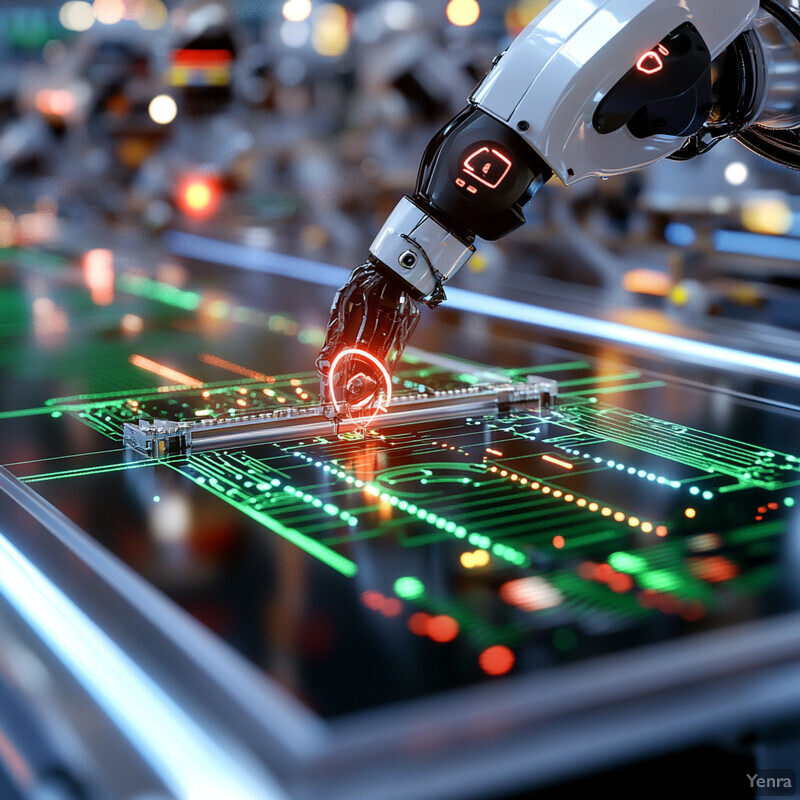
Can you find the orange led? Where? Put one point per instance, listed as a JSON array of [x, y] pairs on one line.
[[496, 660], [620, 582], [242, 403], [373, 600], [514, 477], [493, 469], [661, 530], [546, 489], [523, 481], [690, 513], [392, 607], [534, 485], [418, 623], [647, 527], [593, 506], [442, 628], [619, 516], [163, 371], [558, 542], [605, 511], [558, 493], [558, 462], [568, 498], [206, 394], [634, 522], [581, 502], [503, 473]]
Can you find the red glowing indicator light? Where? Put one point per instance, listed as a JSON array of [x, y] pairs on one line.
[[487, 166], [199, 197], [650, 63], [384, 373]]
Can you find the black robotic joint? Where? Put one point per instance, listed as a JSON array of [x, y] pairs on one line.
[[477, 175]]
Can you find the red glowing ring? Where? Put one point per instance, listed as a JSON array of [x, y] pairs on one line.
[[355, 351]]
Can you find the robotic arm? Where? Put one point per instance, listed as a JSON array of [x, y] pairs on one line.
[[591, 88]]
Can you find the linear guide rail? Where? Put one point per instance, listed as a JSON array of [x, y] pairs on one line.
[[161, 438]]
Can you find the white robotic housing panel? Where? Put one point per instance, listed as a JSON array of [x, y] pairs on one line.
[[551, 80]]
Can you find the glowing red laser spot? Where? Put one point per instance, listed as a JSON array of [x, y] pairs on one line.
[[387, 378]]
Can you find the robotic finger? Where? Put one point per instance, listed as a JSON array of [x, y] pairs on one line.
[[372, 319]]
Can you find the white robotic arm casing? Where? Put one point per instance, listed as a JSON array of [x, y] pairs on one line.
[[549, 82]]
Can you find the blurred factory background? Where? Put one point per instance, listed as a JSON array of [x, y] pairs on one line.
[[296, 126]]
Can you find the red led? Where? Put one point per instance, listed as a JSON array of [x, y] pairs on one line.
[[650, 63], [487, 166]]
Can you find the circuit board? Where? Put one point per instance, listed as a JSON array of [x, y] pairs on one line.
[[366, 569]]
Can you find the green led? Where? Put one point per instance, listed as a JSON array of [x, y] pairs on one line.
[[403, 505], [659, 580], [694, 490], [450, 527], [56, 414], [460, 532], [432, 518], [475, 538], [707, 495], [328, 508], [412, 509], [422, 513], [156, 499], [627, 562], [409, 588], [788, 502]]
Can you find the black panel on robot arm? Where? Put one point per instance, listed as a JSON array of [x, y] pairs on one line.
[[477, 175], [667, 91]]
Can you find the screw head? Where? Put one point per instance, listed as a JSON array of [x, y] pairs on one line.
[[407, 259], [523, 125]]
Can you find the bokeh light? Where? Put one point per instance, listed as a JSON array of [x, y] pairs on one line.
[[162, 109], [496, 660], [76, 15], [330, 35], [296, 10], [108, 12], [463, 13]]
